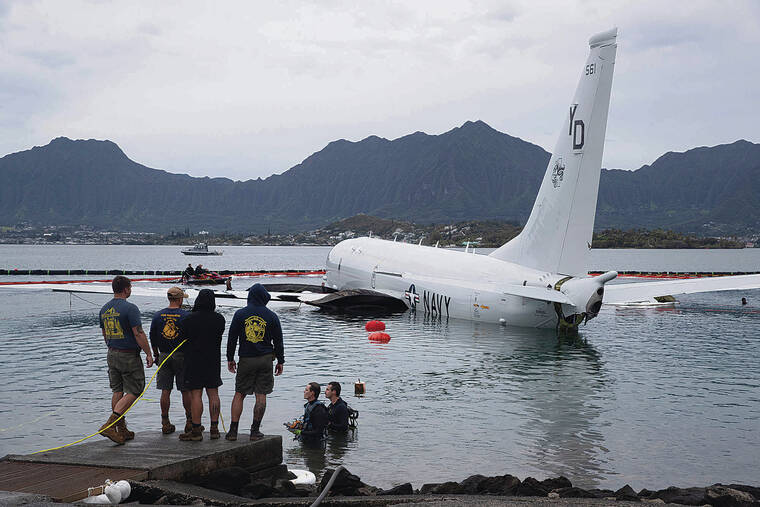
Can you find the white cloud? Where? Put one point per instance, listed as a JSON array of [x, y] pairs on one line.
[[244, 89]]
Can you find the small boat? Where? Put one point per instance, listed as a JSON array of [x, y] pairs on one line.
[[205, 279], [201, 249]]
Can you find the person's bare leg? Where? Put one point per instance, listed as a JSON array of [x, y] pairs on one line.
[[165, 402], [196, 406], [124, 403], [115, 397], [213, 403], [235, 412], [213, 408], [258, 415], [237, 407]]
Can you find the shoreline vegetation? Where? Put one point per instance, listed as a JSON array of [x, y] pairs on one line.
[[475, 233]]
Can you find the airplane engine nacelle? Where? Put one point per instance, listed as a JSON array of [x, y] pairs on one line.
[[587, 295]]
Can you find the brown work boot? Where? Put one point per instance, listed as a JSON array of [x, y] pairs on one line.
[[195, 435], [111, 432], [231, 435], [167, 428], [188, 426], [213, 433], [121, 427], [255, 435]]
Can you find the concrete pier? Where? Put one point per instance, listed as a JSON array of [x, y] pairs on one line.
[[65, 474]]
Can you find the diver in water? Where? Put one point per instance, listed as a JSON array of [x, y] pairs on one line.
[[314, 415], [337, 412]]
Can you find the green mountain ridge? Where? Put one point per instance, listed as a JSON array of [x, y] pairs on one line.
[[471, 172]]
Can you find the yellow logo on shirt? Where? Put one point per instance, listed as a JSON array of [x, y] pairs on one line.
[[170, 331], [111, 324], [255, 327]]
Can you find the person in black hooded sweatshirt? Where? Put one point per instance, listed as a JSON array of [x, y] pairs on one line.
[[203, 328]]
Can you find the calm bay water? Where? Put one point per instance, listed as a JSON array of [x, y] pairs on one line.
[[649, 397]]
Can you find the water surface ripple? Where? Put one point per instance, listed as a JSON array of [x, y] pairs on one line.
[[649, 397]]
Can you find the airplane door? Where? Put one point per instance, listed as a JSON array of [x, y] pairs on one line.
[[475, 305]]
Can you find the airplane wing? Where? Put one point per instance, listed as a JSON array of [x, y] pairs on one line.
[[646, 292], [232, 298]]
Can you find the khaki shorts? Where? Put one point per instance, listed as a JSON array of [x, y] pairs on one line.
[[255, 375], [171, 371], [125, 372]]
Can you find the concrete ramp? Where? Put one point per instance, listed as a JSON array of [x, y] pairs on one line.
[[66, 474]]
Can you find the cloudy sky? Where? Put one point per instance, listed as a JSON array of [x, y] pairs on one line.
[[246, 89]]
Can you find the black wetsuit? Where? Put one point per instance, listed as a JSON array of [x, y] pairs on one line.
[[337, 416], [314, 420]]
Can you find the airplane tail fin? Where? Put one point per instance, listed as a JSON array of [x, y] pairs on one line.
[[557, 236]]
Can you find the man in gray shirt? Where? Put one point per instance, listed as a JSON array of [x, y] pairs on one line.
[[124, 336]]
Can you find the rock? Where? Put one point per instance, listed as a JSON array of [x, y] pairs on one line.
[[401, 489], [470, 486], [447, 488], [626, 493], [427, 489], [531, 487], [346, 484], [754, 491], [645, 493], [685, 496], [601, 493], [502, 485], [553, 495], [556, 483], [230, 480], [573, 492], [723, 496], [257, 490]]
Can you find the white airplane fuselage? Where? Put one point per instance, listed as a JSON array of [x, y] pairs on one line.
[[455, 284]]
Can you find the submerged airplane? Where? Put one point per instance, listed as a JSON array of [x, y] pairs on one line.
[[538, 279]]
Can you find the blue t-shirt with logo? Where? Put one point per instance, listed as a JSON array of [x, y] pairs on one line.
[[164, 331], [117, 318]]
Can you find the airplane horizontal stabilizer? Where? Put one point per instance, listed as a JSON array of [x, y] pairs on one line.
[[646, 292], [539, 293]]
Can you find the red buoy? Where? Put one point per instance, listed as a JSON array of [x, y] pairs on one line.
[[379, 337], [375, 325]]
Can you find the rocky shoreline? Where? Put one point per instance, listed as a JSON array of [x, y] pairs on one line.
[[234, 486]]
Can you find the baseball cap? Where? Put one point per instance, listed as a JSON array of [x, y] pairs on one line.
[[176, 293]]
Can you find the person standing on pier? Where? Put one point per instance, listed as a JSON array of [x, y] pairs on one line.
[[124, 336], [203, 328], [260, 334], [164, 338]]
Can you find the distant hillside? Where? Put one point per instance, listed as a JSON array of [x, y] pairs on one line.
[[704, 191], [472, 172]]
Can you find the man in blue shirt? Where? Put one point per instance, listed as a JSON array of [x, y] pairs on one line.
[[260, 335], [124, 336], [164, 339]]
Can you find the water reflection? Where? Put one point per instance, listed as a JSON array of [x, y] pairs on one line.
[[327, 453], [445, 399]]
